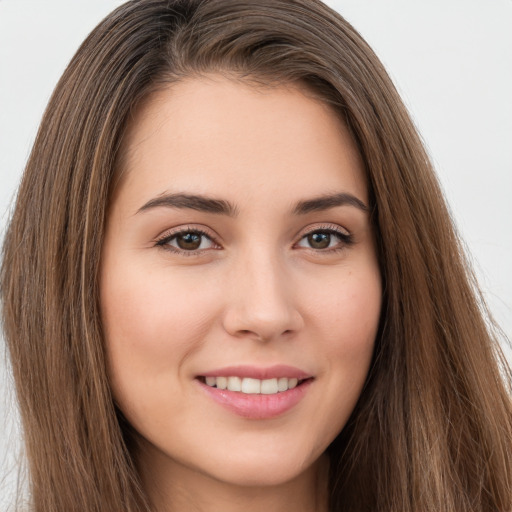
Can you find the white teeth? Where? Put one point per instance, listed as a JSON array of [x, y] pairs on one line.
[[222, 382], [253, 386], [211, 381], [282, 384], [269, 386], [234, 384]]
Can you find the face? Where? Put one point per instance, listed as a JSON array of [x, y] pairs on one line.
[[240, 289]]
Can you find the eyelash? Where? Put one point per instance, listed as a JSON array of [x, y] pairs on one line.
[[164, 241], [345, 239]]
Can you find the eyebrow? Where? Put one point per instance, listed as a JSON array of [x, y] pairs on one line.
[[192, 202], [328, 201], [222, 207]]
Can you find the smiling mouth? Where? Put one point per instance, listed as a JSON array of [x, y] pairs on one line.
[[252, 386]]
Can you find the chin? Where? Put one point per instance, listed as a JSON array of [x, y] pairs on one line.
[[261, 470]]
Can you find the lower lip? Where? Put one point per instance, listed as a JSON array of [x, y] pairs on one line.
[[257, 406]]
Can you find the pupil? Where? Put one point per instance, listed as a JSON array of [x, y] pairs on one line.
[[189, 241], [319, 240]]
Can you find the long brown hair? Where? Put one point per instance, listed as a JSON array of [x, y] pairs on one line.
[[432, 430]]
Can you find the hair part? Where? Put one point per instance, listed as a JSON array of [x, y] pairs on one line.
[[432, 430]]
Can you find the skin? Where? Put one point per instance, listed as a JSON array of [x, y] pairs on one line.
[[258, 291]]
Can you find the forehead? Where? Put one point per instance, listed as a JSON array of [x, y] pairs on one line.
[[220, 136]]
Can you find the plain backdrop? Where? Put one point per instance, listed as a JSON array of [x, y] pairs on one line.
[[451, 60]]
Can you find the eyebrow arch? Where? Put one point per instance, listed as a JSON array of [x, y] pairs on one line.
[[192, 202], [329, 201]]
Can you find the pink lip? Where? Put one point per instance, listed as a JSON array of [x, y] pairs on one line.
[[252, 372], [257, 406]]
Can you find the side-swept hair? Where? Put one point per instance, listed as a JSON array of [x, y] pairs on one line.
[[432, 430]]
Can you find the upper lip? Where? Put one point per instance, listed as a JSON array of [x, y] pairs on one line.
[[261, 373]]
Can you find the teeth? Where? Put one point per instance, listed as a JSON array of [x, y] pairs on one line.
[[282, 384], [234, 384], [252, 386], [269, 386]]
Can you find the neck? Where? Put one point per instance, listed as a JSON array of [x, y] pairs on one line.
[[173, 487]]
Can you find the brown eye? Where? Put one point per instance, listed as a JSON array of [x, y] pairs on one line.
[[319, 240], [189, 241], [322, 239]]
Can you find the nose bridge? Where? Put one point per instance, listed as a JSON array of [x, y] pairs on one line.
[[261, 303]]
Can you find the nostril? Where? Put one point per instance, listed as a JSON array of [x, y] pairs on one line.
[[246, 321]]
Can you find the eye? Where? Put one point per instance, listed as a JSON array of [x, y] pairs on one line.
[[322, 239], [187, 241]]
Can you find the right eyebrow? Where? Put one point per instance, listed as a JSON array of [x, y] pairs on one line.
[[328, 201], [191, 201]]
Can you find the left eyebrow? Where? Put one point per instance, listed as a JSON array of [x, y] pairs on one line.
[[328, 201], [193, 202]]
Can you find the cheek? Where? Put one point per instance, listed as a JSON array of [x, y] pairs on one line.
[[347, 312], [152, 322], [345, 318]]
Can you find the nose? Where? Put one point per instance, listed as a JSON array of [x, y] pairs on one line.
[[261, 303]]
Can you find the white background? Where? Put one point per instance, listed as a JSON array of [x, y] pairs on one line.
[[450, 59]]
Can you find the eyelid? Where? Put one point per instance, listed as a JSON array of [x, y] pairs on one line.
[[336, 229], [323, 226], [163, 239], [166, 236]]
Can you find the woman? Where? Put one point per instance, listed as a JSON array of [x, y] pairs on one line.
[[247, 292]]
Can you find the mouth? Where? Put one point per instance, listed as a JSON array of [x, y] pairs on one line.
[[251, 386], [255, 393]]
